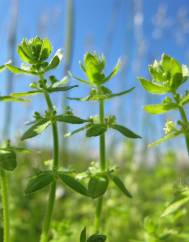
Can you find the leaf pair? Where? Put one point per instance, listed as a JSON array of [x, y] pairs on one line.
[[40, 125], [18, 96], [105, 94], [98, 129], [45, 178], [93, 130], [97, 184]]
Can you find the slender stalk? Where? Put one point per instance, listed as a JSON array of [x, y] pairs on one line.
[[68, 49], [185, 121], [51, 201], [102, 147], [5, 202]]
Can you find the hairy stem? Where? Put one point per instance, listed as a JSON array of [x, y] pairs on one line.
[[5, 203], [51, 201], [102, 147], [185, 121]]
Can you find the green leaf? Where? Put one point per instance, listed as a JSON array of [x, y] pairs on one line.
[[2, 68], [83, 235], [12, 99], [165, 138], [60, 83], [73, 183], [97, 238], [82, 99], [46, 49], [25, 94], [152, 87], [120, 93], [97, 185], [170, 65], [70, 119], [96, 130], [36, 129], [173, 207], [75, 132], [185, 100], [114, 72], [125, 131], [118, 182], [77, 78], [17, 70], [159, 108], [38, 182], [55, 61], [24, 54], [60, 89], [7, 159]]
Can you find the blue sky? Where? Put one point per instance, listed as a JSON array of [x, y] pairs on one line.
[[131, 29]]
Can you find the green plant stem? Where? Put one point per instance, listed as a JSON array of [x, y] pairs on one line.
[[5, 202], [102, 147], [185, 121], [51, 201]]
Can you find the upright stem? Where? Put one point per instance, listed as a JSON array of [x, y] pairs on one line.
[[51, 201], [102, 147], [5, 202], [185, 121]]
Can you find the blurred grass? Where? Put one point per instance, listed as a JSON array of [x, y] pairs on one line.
[[125, 220]]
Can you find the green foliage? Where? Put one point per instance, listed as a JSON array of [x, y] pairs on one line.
[[92, 238], [118, 182], [36, 129], [39, 181], [7, 159], [96, 130], [181, 198], [167, 77], [97, 238], [97, 185], [94, 68], [168, 73], [125, 131], [137, 219], [73, 183], [35, 54], [35, 50], [83, 235]]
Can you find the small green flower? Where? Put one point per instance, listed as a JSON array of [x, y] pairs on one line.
[[35, 50], [93, 65], [168, 72], [169, 127]]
